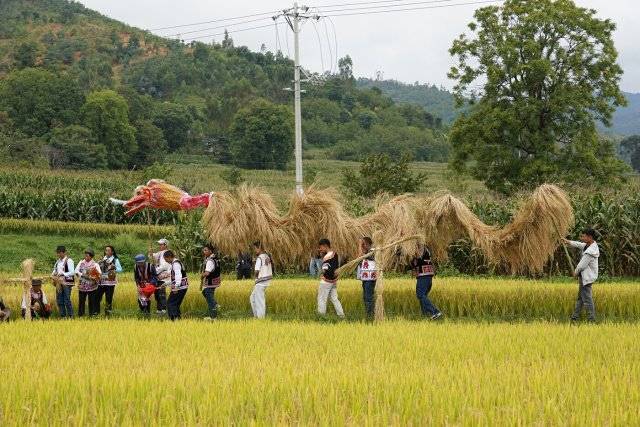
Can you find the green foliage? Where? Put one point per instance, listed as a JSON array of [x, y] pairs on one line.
[[630, 147], [25, 54], [175, 121], [232, 176], [37, 100], [152, 146], [550, 72], [74, 147], [157, 171], [379, 174], [262, 136], [106, 114], [188, 239]]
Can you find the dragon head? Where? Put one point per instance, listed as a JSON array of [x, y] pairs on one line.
[[158, 194]]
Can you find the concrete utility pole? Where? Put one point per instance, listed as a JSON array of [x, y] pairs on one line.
[[293, 17]]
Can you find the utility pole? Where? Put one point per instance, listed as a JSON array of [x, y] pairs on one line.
[[293, 17]]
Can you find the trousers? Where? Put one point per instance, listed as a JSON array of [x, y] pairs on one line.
[[174, 302], [584, 300], [212, 304], [107, 292], [258, 300], [326, 292], [94, 302], [63, 299]]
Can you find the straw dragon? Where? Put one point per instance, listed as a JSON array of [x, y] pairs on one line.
[[232, 220]]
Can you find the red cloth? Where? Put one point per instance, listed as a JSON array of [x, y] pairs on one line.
[[147, 290]]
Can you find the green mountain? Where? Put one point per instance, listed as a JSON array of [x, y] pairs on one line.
[[73, 80], [626, 121]]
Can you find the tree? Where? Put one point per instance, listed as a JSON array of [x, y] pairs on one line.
[[379, 174], [25, 54], [175, 122], [630, 147], [152, 146], [345, 68], [262, 136], [37, 100], [548, 71], [106, 114], [74, 147]]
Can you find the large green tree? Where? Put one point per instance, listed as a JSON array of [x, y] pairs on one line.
[[106, 114], [175, 122], [544, 72], [262, 136], [630, 148], [37, 100]]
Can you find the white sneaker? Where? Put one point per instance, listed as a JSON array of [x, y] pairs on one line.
[[436, 316], [208, 319]]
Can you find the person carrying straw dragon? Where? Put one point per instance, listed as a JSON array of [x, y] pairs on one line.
[[586, 272]]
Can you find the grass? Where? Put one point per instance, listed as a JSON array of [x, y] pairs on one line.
[[126, 372], [461, 299], [17, 246]]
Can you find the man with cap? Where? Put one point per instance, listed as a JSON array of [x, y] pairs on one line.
[[163, 272], [40, 308], [63, 276], [89, 273], [144, 274]]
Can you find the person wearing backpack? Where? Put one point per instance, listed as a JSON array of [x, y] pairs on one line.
[[263, 274]]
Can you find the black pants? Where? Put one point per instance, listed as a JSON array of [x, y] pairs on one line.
[[161, 298], [243, 273], [174, 302], [94, 302], [146, 308], [107, 291]]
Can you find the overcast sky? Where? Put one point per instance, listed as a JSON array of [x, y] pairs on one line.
[[406, 46]]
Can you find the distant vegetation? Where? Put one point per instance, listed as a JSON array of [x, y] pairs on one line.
[[79, 90]]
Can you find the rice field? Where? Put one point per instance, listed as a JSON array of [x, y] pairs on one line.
[[127, 372], [504, 355]]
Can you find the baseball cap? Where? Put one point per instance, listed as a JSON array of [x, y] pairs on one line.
[[140, 258], [163, 242]]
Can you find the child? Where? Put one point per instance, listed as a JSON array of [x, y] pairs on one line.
[[5, 313], [210, 275], [328, 279], [424, 271], [89, 273], [587, 273], [40, 308], [367, 274], [63, 275], [264, 274], [110, 266], [146, 280], [179, 285]]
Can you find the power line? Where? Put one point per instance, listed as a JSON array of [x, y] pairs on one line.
[[359, 3], [326, 33], [214, 21], [217, 28], [412, 8], [388, 6], [230, 32], [319, 46]]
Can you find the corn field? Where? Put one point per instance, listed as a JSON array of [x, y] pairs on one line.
[[458, 298], [127, 372]]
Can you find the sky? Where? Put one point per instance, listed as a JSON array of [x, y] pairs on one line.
[[407, 46]]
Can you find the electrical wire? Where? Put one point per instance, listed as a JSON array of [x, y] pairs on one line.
[[326, 33], [389, 6], [230, 32], [216, 28], [413, 8], [319, 45], [193, 24]]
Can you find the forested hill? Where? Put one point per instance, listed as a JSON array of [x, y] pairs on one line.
[[436, 100], [440, 103], [74, 81]]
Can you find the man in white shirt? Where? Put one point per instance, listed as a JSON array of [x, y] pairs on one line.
[[179, 285], [263, 274], [63, 275], [163, 271], [587, 273]]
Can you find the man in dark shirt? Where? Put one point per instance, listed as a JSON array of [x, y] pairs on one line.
[[424, 271], [328, 279], [244, 266]]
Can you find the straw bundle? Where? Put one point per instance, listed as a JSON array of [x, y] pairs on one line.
[[235, 220], [28, 266]]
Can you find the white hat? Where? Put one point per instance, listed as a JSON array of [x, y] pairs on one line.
[[163, 242]]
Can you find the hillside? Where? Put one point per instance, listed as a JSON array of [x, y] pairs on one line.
[[440, 103], [58, 61]]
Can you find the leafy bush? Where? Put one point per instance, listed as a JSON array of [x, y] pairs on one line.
[[379, 174]]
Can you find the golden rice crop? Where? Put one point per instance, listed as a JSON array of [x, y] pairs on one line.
[[458, 298], [125, 372], [32, 226]]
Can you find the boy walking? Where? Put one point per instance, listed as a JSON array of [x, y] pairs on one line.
[[210, 276], [586, 272], [63, 276], [368, 275], [328, 288], [424, 271], [263, 274], [179, 285]]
